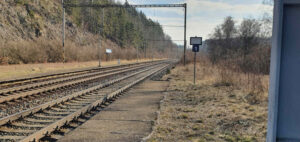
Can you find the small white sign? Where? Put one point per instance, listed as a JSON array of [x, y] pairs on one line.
[[108, 51], [196, 40]]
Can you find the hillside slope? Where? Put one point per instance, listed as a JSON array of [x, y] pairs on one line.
[[30, 31], [23, 20]]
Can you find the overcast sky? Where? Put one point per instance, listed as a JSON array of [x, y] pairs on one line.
[[202, 15]]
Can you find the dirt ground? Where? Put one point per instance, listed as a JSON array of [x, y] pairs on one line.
[[25, 70], [209, 111], [129, 119]]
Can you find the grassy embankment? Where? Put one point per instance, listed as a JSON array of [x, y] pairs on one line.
[[222, 106], [23, 70]]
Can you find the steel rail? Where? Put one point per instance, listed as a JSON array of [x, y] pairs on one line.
[[41, 133], [52, 103], [55, 81], [65, 5], [50, 128], [43, 90], [43, 79], [68, 72]]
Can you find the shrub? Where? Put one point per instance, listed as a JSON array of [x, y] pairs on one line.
[[21, 2], [42, 50]]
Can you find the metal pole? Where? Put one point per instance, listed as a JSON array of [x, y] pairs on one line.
[[177, 52], [152, 47], [168, 54], [137, 54], [101, 34], [137, 47], [91, 11], [195, 68], [152, 52], [144, 50], [171, 52], [63, 32], [184, 60], [99, 49]]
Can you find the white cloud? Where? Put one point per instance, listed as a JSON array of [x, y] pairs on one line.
[[196, 26], [198, 6], [205, 15]]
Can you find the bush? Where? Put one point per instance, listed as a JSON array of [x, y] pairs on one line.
[[21, 2], [43, 50], [242, 48]]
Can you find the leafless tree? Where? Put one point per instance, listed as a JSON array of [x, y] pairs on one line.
[[248, 33], [245, 47], [266, 25], [228, 27], [222, 40]]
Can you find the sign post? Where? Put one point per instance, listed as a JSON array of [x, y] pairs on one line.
[[196, 42], [108, 52]]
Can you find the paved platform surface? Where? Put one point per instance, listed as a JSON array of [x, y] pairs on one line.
[[128, 119]]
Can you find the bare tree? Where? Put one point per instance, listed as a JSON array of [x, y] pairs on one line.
[[229, 32], [228, 27], [218, 33], [221, 42], [266, 26], [248, 33], [242, 48]]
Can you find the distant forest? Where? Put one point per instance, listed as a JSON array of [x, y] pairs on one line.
[[125, 26], [30, 32]]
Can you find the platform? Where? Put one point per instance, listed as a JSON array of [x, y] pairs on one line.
[[130, 118]]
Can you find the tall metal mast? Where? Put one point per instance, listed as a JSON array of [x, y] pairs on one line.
[[184, 52], [63, 31]]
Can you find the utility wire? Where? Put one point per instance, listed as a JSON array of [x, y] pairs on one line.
[[165, 25], [162, 40]]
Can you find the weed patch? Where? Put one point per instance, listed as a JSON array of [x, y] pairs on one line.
[[222, 106]]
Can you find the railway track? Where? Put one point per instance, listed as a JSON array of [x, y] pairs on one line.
[[26, 90], [23, 97], [40, 121], [4, 84], [27, 87]]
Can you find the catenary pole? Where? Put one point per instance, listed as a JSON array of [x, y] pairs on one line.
[[137, 54], [144, 45], [152, 48], [184, 54], [195, 53], [63, 31], [137, 49], [101, 35]]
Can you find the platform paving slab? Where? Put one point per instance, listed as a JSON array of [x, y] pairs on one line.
[[130, 118]]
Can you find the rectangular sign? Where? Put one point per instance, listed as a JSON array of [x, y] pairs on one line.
[[108, 51], [196, 40], [195, 48]]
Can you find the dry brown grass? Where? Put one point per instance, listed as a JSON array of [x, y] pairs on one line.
[[222, 106], [43, 50], [23, 70]]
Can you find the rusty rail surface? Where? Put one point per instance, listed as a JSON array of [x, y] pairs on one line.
[[16, 93], [48, 76], [55, 81], [82, 97]]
